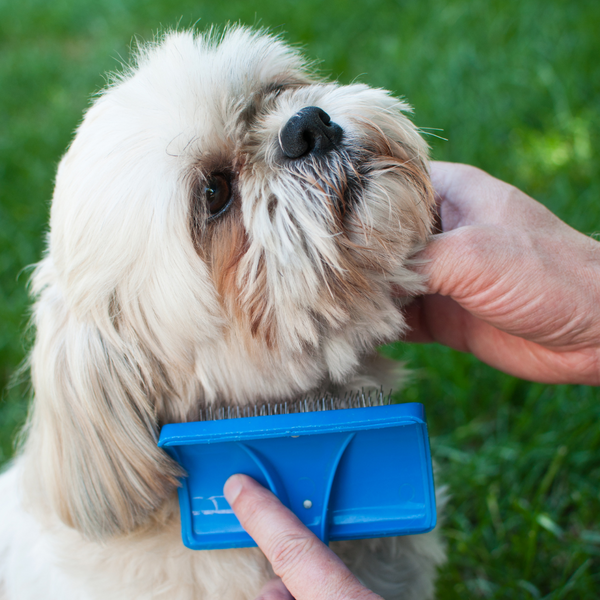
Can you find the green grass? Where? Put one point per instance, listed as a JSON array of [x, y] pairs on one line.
[[513, 87]]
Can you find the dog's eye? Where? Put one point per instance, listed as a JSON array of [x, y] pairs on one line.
[[218, 194]]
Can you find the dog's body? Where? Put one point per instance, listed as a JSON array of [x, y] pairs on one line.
[[225, 227]]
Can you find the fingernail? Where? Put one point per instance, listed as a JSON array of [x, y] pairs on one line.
[[232, 488]]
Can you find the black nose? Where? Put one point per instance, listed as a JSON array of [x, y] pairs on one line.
[[309, 131]]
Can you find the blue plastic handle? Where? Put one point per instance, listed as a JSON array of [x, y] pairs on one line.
[[347, 474]]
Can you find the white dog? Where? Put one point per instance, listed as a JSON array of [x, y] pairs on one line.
[[226, 227]]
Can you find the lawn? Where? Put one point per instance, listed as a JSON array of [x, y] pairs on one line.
[[510, 86]]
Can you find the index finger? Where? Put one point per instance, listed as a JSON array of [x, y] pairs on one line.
[[307, 567]]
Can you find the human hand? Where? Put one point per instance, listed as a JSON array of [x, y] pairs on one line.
[[306, 568], [509, 282]]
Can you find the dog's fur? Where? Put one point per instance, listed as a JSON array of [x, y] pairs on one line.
[[146, 309]]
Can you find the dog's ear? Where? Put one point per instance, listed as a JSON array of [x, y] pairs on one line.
[[90, 453]]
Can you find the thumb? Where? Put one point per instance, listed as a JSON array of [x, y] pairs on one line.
[[307, 567], [462, 262]]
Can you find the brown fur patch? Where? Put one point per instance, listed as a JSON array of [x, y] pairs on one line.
[[259, 311], [226, 244], [398, 159], [223, 244]]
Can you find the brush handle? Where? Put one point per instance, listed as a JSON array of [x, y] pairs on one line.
[[346, 474]]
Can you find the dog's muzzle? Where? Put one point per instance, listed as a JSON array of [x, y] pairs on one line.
[[309, 131]]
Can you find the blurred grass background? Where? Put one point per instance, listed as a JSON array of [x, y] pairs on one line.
[[514, 87]]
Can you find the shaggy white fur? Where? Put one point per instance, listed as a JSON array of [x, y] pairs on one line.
[[191, 261]]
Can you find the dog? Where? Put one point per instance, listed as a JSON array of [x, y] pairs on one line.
[[226, 227]]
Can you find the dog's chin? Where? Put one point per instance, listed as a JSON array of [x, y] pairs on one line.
[[200, 253]]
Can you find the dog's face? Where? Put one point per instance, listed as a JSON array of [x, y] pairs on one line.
[[224, 226]]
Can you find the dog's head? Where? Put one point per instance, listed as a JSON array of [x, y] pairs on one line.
[[224, 226]]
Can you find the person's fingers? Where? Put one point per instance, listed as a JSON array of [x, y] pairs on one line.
[[444, 321], [467, 195], [457, 263], [445, 176], [458, 191], [274, 590], [307, 567]]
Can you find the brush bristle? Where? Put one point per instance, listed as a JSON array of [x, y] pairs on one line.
[[356, 399]]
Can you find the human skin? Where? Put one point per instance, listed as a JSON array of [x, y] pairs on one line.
[[509, 282], [303, 564]]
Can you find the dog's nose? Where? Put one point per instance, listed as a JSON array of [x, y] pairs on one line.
[[309, 131]]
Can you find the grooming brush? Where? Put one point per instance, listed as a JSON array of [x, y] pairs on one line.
[[349, 467]]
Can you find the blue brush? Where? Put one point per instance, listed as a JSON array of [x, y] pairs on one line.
[[347, 474]]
